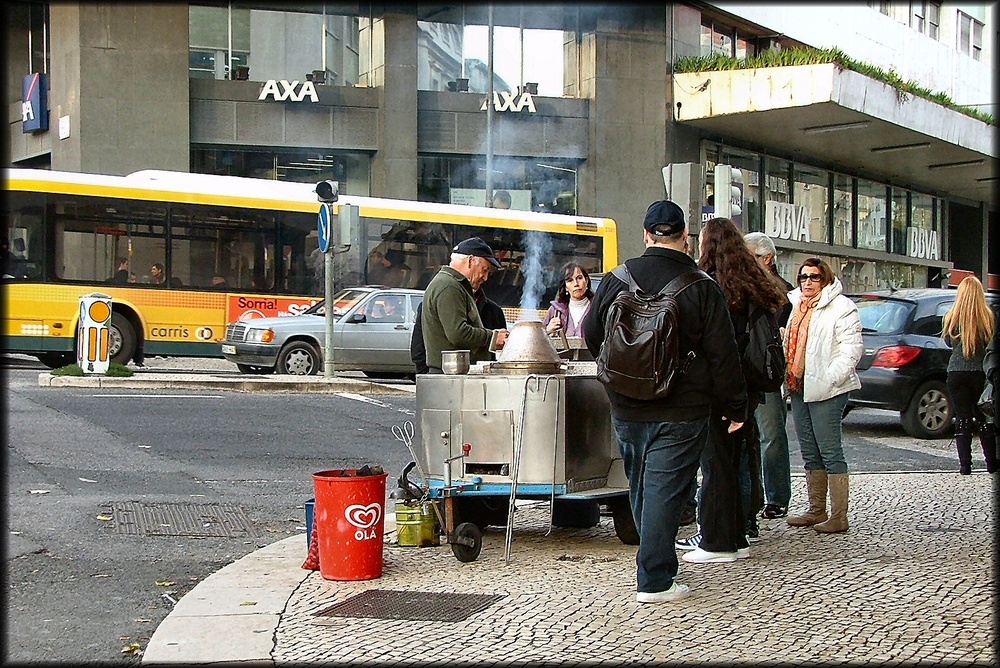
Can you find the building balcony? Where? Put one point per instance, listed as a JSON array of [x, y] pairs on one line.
[[847, 121]]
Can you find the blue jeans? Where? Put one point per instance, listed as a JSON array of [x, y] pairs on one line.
[[817, 424], [661, 459], [774, 449]]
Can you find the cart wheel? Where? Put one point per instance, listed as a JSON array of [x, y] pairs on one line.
[[621, 515], [468, 542]]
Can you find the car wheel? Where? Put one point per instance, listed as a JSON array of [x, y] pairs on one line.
[[929, 413], [299, 359]]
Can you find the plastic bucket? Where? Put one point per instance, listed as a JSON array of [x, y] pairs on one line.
[[350, 523], [416, 524]]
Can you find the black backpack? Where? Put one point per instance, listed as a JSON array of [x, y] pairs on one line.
[[641, 356], [764, 356]]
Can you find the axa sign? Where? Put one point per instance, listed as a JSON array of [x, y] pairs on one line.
[[505, 101], [34, 105], [281, 91]]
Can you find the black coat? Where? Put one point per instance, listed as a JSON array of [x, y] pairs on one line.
[[714, 377]]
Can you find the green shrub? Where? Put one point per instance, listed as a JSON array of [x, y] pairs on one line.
[[115, 369], [810, 56], [119, 370]]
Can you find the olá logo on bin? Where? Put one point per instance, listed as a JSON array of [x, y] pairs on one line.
[[365, 518]]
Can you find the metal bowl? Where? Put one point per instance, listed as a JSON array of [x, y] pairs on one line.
[[455, 362]]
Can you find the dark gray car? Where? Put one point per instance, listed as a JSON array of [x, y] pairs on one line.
[[371, 334], [905, 363]]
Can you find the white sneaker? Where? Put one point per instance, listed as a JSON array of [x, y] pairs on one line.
[[675, 593], [743, 553], [700, 556]]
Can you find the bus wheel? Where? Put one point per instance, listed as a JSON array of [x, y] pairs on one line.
[[299, 359], [56, 360], [122, 343]]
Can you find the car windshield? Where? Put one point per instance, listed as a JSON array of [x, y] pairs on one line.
[[882, 316], [343, 302]]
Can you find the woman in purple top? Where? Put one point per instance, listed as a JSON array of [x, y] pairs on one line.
[[572, 302]]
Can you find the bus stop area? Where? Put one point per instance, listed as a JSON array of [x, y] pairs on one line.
[[912, 581]]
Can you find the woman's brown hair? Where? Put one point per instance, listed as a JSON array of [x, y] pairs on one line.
[[826, 273], [724, 253]]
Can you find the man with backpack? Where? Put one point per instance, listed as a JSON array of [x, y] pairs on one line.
[[661, 438]]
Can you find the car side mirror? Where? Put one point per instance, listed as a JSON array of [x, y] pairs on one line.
[[358, 317]]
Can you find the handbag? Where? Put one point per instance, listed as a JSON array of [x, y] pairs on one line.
[[986, 401]]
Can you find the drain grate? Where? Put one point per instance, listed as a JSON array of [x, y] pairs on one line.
[[181, 519], [411, 605]]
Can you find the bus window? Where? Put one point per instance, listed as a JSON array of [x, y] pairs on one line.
[[92, 233]]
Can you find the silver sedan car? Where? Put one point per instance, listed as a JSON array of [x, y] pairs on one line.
[[371, 334]]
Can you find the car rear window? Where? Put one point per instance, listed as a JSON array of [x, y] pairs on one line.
[[883, 316]]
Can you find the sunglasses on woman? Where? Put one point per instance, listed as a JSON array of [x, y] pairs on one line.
[[810, 277]]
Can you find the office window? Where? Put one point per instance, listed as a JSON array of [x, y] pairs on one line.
[[810, 190], [872, 204], [970, 36], [900, 217], [843, 209], [447, 52], [933, 19]]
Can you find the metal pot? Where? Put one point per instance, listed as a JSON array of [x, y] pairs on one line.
[[455, 362], [528, 349]]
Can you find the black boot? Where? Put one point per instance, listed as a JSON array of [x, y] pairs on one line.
[[988, 439], [963, 443]]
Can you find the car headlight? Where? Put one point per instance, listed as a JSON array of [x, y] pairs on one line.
[[260, 336]]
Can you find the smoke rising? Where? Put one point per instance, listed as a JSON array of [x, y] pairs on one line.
[[537, 247]]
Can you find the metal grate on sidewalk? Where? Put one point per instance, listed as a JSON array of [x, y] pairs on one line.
[[411, 605], [222, 520]]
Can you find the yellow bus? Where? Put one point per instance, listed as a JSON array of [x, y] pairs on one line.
[[183, 254]]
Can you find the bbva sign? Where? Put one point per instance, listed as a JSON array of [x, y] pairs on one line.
[[283, 90], [504, 101]]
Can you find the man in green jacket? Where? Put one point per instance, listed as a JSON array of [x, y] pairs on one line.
[[449, 317]]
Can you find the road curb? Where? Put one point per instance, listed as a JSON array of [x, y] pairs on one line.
[[304, 384]]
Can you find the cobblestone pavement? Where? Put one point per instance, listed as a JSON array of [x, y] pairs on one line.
[[912, 581]]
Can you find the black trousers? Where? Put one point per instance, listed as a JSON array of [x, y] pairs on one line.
[[722, 519]]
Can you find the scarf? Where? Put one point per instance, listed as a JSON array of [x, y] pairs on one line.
[[798, 332]]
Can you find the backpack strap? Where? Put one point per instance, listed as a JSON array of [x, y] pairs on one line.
[[684, 280], [621, 272], [680, 282]]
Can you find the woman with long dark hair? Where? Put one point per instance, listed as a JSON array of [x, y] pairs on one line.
[[723, 255], [968, 328], [572, 302]]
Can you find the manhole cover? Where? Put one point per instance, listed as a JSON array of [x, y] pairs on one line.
[[411, 605], [181, 519]]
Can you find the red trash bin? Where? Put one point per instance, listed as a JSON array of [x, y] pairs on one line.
[[350, 520]]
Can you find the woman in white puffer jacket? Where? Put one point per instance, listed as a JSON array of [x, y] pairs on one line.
[[822, 349]]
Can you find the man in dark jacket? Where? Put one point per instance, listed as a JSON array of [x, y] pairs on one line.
[[661, 440], [771, 414], [489, 311], [449, 317]]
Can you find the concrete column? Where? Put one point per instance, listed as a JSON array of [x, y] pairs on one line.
[[394, 166], [133, 112], [624, 73]]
